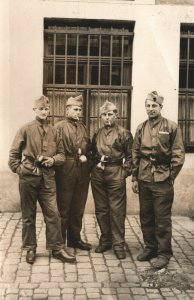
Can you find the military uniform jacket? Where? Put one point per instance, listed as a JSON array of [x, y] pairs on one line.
[[115, 143], [37, 138], [75, 138], [158, 151]]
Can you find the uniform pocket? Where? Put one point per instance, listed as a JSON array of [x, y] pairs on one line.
[[164, 137]]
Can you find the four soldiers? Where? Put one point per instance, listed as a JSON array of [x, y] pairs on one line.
[[158, 156], [155, 161], [112, 158], [35, 151]]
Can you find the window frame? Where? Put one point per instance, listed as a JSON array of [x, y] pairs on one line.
[[186, 87], [115, 30]]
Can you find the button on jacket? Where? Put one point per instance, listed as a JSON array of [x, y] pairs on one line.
[[157, 143]]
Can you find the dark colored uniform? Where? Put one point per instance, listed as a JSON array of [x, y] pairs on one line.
[[109, 185], [158, 156], [73, 178], [37, 138]]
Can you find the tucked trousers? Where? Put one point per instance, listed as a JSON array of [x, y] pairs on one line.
[[72, 190], [156, 200], [33, 189], [109, 192]]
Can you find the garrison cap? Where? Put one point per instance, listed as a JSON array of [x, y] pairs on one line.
[[107, 106], [77, 101], [153, 96], [43, 101]]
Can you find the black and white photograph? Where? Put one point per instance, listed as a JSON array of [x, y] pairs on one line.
[[97, 150]]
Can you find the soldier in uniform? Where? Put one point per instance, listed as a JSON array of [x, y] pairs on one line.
[[73, 177], [158, 156], [111, 151], [35, 151]]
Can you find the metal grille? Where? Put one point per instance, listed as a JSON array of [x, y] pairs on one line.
[[91, 58], [186, 85]]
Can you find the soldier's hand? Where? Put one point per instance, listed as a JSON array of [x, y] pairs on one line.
[[135, 187], [48, 162], [82, 158]]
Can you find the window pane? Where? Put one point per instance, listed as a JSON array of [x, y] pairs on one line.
[[71, 44], [191, 107], [182, 76], [117, 46], [82, 73], [94, 45], [71, 73], [191, 76], [116, 75], [191, 131], [49, 44], [83, 45], [105, 74], [48, 73], [128, 47], [191, 48], [182, 107], [59, 104], [93, 73], [127, 74], [60, 44], [105, 46], [60, 73], [183, 48]]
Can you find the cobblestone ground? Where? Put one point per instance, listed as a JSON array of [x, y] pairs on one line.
[[95, 276]]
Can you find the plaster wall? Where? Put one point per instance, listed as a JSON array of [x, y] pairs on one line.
[[155, 67]]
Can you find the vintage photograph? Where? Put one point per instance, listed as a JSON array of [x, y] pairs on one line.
[[97, 150]]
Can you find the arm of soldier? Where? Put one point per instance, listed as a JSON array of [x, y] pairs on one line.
[[178, 153], [15, 154], [59, 157], [135, 161], [128, 142]]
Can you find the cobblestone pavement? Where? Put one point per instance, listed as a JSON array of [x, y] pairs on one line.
[[95, 276]]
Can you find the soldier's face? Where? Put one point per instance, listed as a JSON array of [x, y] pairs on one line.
[[74, 112], [109, 118], [42, 112], [153, 109]]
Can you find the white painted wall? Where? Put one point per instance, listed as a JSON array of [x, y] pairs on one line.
[[155, 55]]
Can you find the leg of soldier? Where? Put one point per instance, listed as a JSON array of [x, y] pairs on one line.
[[102, 209], [77, 205], [28, 188], [163, 194], [48, 203], [116, 192], [65, 189], [147, 216]]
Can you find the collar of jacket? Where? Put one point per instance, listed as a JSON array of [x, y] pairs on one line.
[[154, 121], [41, 122]]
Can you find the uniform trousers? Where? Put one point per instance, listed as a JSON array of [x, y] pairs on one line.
[[72, 190], [37, 188], [109, 192], [156, 200]]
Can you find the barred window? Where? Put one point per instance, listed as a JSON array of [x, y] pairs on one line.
[[186, 85], [92, 58]]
